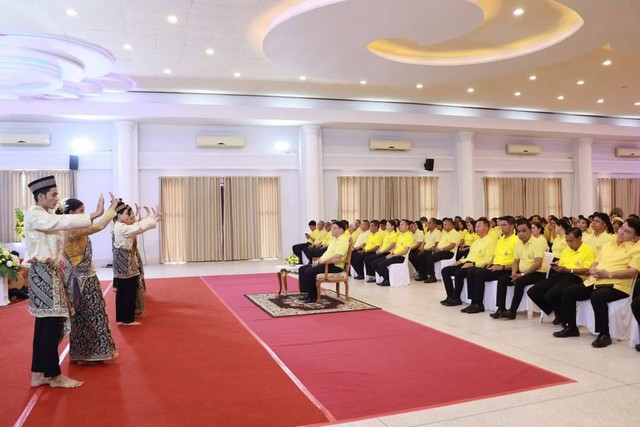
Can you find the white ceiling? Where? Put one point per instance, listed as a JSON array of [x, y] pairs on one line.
[[274, 42]]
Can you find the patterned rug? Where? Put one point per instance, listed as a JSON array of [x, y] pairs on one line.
[[290, 305]]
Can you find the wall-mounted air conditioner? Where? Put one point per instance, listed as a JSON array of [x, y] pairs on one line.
[[25, 139], [209, 141], [523, 150], [389, 145], [627, 152]]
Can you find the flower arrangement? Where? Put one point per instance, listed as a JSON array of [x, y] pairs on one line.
[[292, 260], [19, 223], [9, 264]]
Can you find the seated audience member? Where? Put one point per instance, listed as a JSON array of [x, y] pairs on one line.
[[602, 232], [468, 237], [335, 255], [372, 244], [449, 240], [536, 231], [388, 244], [617, 222], [424, 220], [311, 237], [559, 243], [480, 254], [584, 225], [398, 255], [616, 213], [635, 303], [609, 279], [360, 239], [500, 265], [571, 269], [431, 239], [527, 269], [321, 243], [495, 231], [439, 224]]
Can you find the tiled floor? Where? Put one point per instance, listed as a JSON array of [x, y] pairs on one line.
[[607, 387]]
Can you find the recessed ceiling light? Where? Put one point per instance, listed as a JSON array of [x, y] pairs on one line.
[[167, 70], [209, 51], [470, 90], [419, 86], [172, 19], [302, 78], [580, 82], [363, 82], [560, 97], [237, 75], [518, 12], [127, 46], [607, 62], [600, 101], [532, 77], [637, 104], [517, 94], [71, 12]]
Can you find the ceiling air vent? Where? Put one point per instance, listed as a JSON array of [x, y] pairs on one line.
[[389, 145], [523, 150], [209, 141]]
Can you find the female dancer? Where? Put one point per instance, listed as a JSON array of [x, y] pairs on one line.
[[90, 338]]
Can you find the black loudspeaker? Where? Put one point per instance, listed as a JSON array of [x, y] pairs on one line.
[[73, 163], [428, 164]]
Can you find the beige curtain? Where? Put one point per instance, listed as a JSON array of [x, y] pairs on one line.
[[623, 193], [251, 217], [522, 196], [386, 197], [14, 194]]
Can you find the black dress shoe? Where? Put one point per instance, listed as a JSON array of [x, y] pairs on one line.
[[454, 302], [509, 315], [445, 301], [475, 308], [384, 283], [569, 331], [430, 280], [358, 278], [637, 347], [557, 321], [419, 278], [371, 280], [602, 341], [498, 314], [464, 310], [309, 300]]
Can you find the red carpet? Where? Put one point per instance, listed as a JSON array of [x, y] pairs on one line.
[[368, 363], [191, 363]]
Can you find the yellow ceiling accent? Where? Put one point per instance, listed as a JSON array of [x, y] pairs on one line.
[[501, 35]]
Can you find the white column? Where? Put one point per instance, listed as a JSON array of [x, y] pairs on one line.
[[311, 190], [125, 161], [465, 168], [584, 184]]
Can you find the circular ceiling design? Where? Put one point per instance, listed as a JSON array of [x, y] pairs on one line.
[[48, 67]]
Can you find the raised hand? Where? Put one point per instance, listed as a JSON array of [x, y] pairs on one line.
[[99, 209], [114, 201]]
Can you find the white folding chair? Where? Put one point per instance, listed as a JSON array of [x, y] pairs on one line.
[[439, 265], [399, 273]]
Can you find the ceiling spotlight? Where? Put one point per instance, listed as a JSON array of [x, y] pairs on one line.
[[600, 101], [167, 70], [532, 77], [560, 98], [637, 104], [580, 82], [237, 75], [127, 46], [209, 51], [172, 19], [517, 94], [518, 12], [607, 62], [363, 82], [302, 78], [71, 12], [419, 86], [470, 90]]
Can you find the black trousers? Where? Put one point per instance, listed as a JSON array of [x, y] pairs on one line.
[[370, 259], [479, 276], [547, 293], [126, 299], [600, 298], [414, 258], [297, 249], [307, 276], [518, 289], [568, 298], [357, 261], [382, 266], [458, 274], [314, 252], [46, 337], [428, 261]]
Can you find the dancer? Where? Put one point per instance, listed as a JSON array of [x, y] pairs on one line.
[[90, 338], [48, 300], [126, 271]]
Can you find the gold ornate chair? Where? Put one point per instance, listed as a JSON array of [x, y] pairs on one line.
[[336, 278]]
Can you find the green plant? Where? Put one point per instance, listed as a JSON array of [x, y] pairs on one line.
[[9, 264], [19, 223]]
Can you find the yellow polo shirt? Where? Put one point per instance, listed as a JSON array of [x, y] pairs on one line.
[[504, 254], [596, 242], [495, 233], [582, 258], [313, 236], [614, 257], [339, 246], [327, 237], [405, 240], [527, 253], [320, 237], [448, 237], [469, 238], [361, 239], [356, 233], [374, 240], [418, 236], [559, 245], [388, 240], [481, 251], [431, 238]]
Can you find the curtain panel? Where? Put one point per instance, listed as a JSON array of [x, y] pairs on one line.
[[623, 193], [522, 196]]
